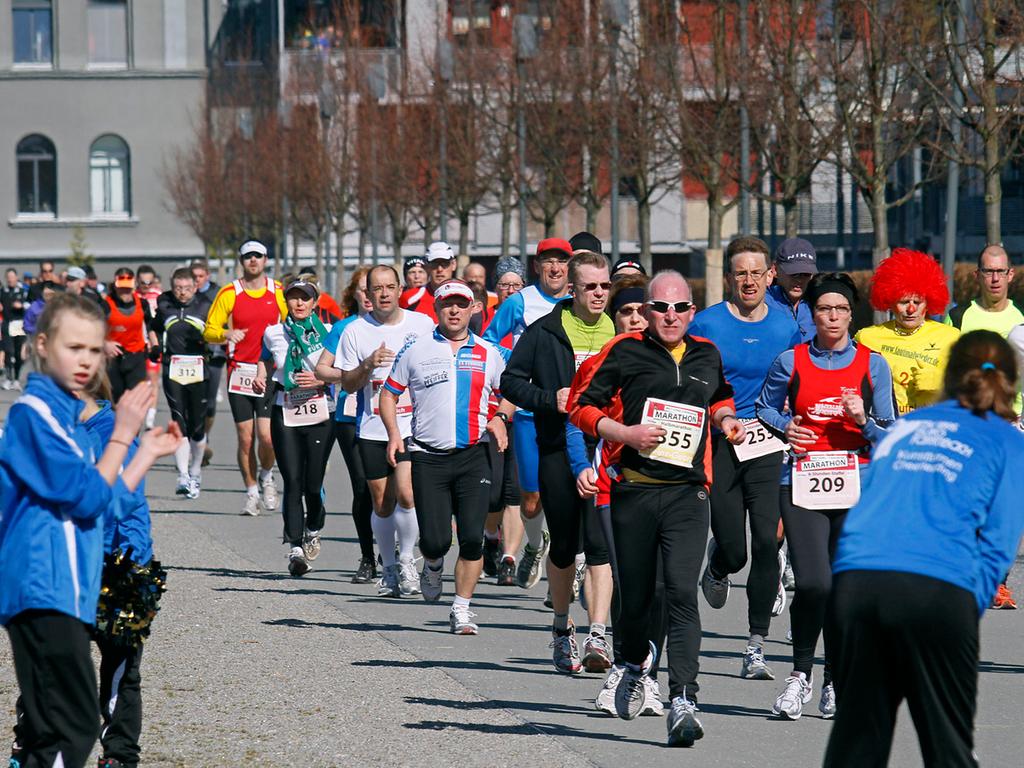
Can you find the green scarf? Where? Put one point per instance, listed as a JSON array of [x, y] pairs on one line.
[[304, 338]]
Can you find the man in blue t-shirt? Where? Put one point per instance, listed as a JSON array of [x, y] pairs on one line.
[[749, 335], [796, 262]]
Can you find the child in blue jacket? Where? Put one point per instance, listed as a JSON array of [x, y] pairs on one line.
[[53, 496]]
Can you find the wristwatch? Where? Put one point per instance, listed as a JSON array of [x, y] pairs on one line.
[[503, 416]]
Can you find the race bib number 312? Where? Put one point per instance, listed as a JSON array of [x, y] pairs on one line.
[[826, 480], [683, 425]]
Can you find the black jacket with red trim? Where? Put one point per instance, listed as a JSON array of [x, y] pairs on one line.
[[637, 367], [542, 363]]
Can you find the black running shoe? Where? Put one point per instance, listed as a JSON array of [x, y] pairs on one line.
[[366, 573], [492, 556], [507, 572]]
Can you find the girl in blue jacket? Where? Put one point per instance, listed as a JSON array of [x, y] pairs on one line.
[[53, 495], [919, 559]]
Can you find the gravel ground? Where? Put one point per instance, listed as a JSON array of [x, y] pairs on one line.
[[262, 673]]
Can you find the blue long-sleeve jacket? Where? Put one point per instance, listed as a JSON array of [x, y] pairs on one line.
[[881, 413], [52, 503], [126, 522], [776, 297], [941, 498]]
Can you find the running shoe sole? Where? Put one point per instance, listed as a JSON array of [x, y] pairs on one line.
[[685, 732], [596, 662], [298, 567]]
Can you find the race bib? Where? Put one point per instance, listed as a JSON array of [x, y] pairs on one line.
[[305, 406], [404, 400], [241, 380], [826, 480], [758, 442], [683, 425], [349, 406], [16, 328], [579, 358], [186, 369]]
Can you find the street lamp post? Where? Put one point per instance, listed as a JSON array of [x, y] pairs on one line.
[[328, 108], [744, 130], [377, 82], [617, 14], [445, 72], [526, 48]]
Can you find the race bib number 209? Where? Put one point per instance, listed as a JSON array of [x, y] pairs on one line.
[[826, 480]]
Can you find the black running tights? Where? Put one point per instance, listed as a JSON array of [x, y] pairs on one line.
[[302, 458]]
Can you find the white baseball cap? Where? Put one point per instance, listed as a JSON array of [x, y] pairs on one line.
[[440, 251], [252, 246], [450, 288]]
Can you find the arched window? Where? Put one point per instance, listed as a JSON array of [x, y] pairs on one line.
[[37, 175], [110, 176]]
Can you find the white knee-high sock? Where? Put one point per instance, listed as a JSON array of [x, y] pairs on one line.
[[196, 448], [408, 530], [181, 458], [384, 532], [534, 530]]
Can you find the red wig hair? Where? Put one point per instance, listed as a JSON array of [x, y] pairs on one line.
[[908, 272]]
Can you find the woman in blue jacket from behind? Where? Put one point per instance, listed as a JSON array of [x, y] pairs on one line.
[[919, 559]]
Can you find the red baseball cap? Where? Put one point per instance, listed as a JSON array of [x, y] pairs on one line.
[[554, 244]]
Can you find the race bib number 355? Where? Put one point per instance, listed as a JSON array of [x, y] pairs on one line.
[[683, 425], [826, 480]]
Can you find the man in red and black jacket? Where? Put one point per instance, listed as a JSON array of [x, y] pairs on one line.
[[673, 391]]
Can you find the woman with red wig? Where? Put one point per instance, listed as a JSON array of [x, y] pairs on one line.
[[911, 285]]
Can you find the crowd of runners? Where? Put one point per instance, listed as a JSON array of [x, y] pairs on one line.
[[582, 420]]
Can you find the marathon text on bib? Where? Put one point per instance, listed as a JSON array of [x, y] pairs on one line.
[[186, 369], [241, 380], [758, 442], [826, 480], [683, 425], [305, 406]]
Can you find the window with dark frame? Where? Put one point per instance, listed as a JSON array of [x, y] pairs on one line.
[[37, 175], [32, 23]]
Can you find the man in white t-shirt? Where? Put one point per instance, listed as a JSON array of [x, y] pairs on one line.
[[368, 347]]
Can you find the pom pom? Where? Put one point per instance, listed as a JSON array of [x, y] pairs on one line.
[[908, 272], [129, 599]]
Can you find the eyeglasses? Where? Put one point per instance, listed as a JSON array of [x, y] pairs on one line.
[[509, 286], [823, 309], [248, 256], [589, 287], [994, 272], [629, 309], [754, 274], [664, 306], [458, 301]]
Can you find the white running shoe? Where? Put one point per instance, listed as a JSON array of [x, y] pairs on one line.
[[579, 574], [754, 666], [182, 487], [311, 544], [408, 579], [597, 653], [683, 726], [150, 418], [716, 591], [431, 582], [297, 564], [788, 579], [605, 701], [827, 702], [193, 488], [252, 506], [629, 695], [780, 600], [652, 706], [268, 491], [460, 621], [388, 584], [798, 691], [530, 567], [16, 385]]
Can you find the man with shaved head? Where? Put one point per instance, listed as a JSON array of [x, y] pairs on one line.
[[993, 310], [670, 385]]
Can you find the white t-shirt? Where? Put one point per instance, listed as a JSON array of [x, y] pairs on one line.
[[275, 344], [360, 339]]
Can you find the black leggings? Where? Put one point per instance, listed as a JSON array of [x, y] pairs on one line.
[[302, 458], [902, 636], [446, 485], [187, 403], [812, 536], [362, 502], [504, 476], [567, 513], [120, 686], [12, 355], [672, 520], [126, 371], [742, 488]]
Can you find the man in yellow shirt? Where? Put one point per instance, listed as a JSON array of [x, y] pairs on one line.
[[911, 285], [240, 314]]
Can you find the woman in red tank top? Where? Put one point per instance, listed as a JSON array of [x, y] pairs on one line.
[[126, 335], [833, 388]]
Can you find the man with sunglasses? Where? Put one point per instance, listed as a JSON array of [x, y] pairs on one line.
[[439, 261], [539, 374], [513, 317], [672, 388], [240, 314], [749, 335], [450, 375], [47, 274]]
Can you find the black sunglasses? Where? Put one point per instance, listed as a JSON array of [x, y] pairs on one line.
[[664, 306], [588, 287], [251, 255]]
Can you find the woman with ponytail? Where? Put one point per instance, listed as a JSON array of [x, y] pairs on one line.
[[919, 559]]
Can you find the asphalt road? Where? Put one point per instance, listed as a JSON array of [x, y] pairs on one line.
[[248, 666]]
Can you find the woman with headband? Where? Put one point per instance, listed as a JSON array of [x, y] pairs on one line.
[[840, 402], [912, 581], [911, 285]]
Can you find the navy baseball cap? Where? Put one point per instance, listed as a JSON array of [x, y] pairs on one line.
[[796, 256]]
